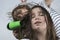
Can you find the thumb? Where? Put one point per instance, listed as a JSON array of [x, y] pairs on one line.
[[23, 0]]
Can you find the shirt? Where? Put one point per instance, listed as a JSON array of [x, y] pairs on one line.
[[55, 18]]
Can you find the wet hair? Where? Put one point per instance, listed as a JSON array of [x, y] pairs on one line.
[[24, 30], [14, 11]]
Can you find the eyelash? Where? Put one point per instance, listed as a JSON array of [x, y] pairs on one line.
[[33, 16], [41, 15]]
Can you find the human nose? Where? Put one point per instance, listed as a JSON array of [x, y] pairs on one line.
[[37, 18]]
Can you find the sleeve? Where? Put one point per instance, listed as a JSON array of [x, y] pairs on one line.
[[56, 20]]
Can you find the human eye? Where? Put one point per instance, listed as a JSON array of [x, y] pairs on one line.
[[26, 12], [18, 12], [33, 15], [41, 14]]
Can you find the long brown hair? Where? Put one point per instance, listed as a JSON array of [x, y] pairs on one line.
[[51, 33], [24, 30], [14, 11]]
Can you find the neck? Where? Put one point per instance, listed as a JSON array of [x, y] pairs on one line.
[[41, 35]]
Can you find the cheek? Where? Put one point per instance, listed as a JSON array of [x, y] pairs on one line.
[[32, 22], [33, 25], [43, 19]]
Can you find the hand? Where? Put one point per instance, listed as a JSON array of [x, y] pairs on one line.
[[23, 1]]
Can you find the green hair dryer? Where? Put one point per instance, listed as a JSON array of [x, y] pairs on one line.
[[13, 25]]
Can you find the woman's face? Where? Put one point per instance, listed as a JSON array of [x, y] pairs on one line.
[[20, 13], [38, 19]]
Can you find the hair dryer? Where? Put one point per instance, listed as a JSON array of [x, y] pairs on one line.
[[13, 25]]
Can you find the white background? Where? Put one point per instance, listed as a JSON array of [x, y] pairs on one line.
[[8, 5]]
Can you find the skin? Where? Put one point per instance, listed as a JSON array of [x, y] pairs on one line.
[[23, 0], [48, 2]]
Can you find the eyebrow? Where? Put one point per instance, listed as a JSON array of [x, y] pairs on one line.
[[26, 11], [32, 14]]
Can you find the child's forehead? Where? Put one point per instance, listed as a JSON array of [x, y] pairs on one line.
[[22, 9], [36, 9]]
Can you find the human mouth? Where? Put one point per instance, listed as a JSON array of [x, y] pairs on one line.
[[37, 23]]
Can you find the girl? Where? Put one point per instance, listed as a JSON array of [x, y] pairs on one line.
[[20, 13], [42, 25]]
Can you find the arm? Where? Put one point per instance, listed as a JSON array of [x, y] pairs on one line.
[[48, 2]]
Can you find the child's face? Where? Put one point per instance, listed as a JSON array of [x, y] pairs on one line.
[[38, 19], [20, 13], [19, 16]]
